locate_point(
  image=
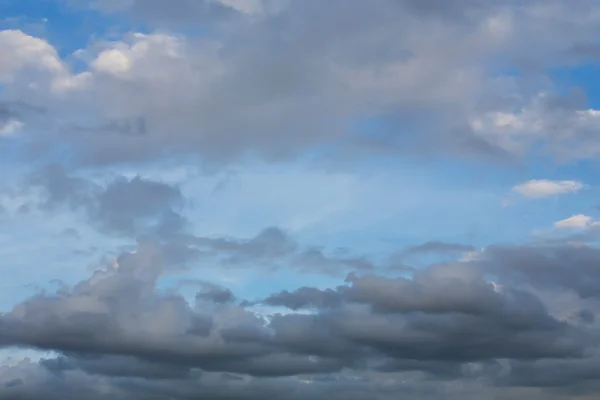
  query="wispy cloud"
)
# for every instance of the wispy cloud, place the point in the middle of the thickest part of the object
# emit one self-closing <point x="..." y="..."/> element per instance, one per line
<point x="538" y="188"/>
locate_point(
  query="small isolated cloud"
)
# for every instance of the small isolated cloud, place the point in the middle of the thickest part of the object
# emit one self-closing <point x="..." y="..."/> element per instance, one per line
<point x="575" y="221"/>
<point x="537" y="188"/>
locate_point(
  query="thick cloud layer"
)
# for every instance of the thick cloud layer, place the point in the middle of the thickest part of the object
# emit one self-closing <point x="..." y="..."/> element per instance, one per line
<point x="276" y="79"/>
<point x="119" y="334"/>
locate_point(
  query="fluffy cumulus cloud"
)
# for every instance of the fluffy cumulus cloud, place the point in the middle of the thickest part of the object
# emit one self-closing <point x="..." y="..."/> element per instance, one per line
<point x="298" y="199"/>
<point x="276" y="78"/>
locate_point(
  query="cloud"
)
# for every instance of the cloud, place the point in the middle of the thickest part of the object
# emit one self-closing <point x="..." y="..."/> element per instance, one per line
<point x="117" y="332"/>
<point x="124" y="206"/>
<point x="305" y="297"/>
<point x="183" y="12"/>
<point x="225" y="98"/>
<point x="27" y="53"/>
<point x="575" y="221"/>
<point x="215" y="294"/>
<point x="437" y="247"/>
<point x="561" y="125"/>
<point x="546" y="266"/>
<point x="538" y="188"/>
<point x="11" y="127"/>
<point x="11" y="115"/>
<point x="272" y="248"/>
<point x="60" y="188"/>
<point x="145" y="209"/>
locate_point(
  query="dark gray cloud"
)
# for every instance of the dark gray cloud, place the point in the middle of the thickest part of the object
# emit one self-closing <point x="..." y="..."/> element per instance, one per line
<point x="306" y="297"/>
<point x="16" y="110"/>
<point x="546" y="266"/>
<point x="214" y="293"/>
<point x="114" y="366"/>
<point x="124" y="206"/>
<point x="447" y="323"/>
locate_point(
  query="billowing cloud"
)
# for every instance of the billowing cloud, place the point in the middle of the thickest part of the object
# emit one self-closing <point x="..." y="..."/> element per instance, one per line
<point x="444" y="323"/>
<point x="269" y="67"/>
<point x="124" y="206"/>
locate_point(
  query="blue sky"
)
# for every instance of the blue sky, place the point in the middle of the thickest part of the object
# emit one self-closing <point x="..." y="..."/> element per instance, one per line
<point x="261" y="146"/>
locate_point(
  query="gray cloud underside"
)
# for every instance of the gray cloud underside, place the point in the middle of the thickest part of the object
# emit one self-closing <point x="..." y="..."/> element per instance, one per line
<point x="446" y="330"/>
<point x="124" y="206"/>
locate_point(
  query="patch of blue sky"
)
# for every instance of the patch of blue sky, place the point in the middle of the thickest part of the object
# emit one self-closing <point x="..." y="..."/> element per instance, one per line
<point x="585" y="201"/>
<point x="401" y="206"/>
<point x="252" y="283"/>
<point x="37" y="247"/>
<point x="584" y="76"/>
<point x="65" y="25"/>
<point x="13" y="356"/>
<point x="11" y="151"/>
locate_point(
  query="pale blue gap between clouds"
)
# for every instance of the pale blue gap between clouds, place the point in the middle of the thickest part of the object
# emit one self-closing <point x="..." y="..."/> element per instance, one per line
<point x="372" y="215"/>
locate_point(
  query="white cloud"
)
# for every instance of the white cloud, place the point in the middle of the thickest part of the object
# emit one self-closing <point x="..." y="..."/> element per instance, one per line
<point x="575" y="221"/>
<point x="113" y="61"/>
<point x="120" y="58"/>
<point x="472" y="255"/>
<point x="10" y="127"/>
<point x="23" y="52"/>
<point x="561" y="125"/>
<point x="537" y="188"/>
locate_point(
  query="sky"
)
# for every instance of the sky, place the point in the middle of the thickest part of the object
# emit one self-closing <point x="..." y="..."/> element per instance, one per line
<point x="299" y="199"/>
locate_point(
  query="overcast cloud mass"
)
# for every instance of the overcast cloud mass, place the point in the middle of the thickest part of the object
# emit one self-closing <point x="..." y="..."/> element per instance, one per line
<point x="299" y="199"/>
